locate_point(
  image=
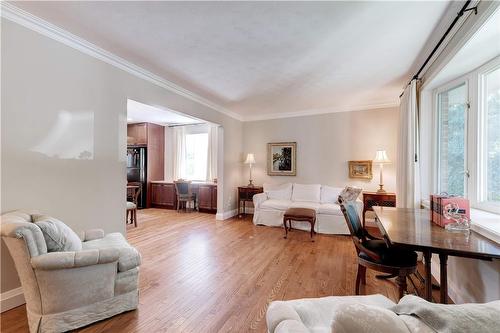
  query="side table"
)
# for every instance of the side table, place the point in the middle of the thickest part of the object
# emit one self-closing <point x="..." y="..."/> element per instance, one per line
<point x="371" y="199"/>
<point x="246" y="193"/>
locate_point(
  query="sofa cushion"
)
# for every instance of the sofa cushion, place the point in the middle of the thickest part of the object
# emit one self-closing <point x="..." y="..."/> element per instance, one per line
<point x="309" y="192"/>
<point x="330" y="194"/>
<point x="357" y="317"/>
<point x="279" y="192"/>
<point x="330" y="209"/>
<point x="305" y="204"/>
<point x="350" y="193"/>
<point x="129" y="256"/>
<point x="275" y="204"/>
<point x="58" y="236"/>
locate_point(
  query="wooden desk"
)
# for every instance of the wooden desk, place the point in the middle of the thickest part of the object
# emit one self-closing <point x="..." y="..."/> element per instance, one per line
<point x="413" y="229"/>
<point x="371" y="199"/>
<point x="246" y="193"/>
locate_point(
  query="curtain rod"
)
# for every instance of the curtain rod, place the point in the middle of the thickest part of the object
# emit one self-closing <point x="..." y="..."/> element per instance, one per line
<point x="459" y="14"/>
<point x="177" y="125"/>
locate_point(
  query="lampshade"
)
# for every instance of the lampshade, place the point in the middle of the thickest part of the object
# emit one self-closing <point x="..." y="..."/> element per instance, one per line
<point x="381" y="157"/>
<point x="250" y="159"/>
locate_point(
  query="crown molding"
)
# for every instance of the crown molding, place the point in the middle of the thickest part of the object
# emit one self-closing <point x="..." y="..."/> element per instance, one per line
<point x="30" y="21"/>
<point x="313" y="112"/>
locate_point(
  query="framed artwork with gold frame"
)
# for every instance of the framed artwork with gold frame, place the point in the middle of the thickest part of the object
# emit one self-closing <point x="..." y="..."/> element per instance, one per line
<point x="282" y="159"/>
<point x="360" y="169"/>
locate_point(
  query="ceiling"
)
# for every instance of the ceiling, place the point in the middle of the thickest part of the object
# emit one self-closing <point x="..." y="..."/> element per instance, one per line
<point x="263" y="59"/>
<point x="138" y="113"/>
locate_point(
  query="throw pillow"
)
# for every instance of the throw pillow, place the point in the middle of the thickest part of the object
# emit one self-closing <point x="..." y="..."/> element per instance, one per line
<point x="330" y="194"/>
<point x="58" y="236"/>
<point x="278" y="192"/>
<point x="359" y="318"/>
<point x="349" y="193"/>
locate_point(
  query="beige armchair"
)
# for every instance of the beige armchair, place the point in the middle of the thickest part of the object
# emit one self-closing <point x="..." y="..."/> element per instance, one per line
<point x="67" y="290"/>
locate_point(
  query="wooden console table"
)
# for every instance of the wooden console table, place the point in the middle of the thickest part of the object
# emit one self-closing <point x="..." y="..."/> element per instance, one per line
<point x="246" y="193"/>
<point x="371" y="199"/>
<point x="412" y="229"/>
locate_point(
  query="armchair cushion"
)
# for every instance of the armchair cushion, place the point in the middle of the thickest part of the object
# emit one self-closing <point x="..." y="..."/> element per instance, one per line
<point x="91" y="234"/>
<point x="58" y="236"/>
<point x="358" y="317"/>
<point x="129" y="257"/>
<point x="62" y="260"/>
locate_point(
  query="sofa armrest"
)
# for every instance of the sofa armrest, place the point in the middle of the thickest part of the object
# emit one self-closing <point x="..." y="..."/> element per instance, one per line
<point x="279" y="313"/>
<point x="91" y="234"/>
<point x="63" y="260"/>
<point x="258" y="199"/>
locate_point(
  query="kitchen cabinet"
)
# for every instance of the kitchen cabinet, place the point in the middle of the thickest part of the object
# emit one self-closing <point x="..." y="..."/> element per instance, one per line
<point x="163" y="195"/>
<point x="137" y="134"/>
<point x="207" y="197"/>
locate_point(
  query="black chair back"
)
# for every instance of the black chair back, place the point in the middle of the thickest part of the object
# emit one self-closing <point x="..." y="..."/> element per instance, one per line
<point x="352" y="219"/>
<point x="183" y="188"/>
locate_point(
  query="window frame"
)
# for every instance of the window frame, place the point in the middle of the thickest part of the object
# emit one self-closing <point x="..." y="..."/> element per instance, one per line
<point x="186" y="153"/>
<point x="481" y="195"/>
<point x="475" y="136"/>
<point x="463" y="80"/>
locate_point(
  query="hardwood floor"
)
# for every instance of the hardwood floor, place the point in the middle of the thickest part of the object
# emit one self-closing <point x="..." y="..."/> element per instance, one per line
<point x="202" y="275"/>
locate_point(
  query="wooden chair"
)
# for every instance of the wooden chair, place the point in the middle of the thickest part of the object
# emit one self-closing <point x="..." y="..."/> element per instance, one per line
<point x="134" y="190"/>
<point x="185" y="194"/>
<point x="373" y="253"/>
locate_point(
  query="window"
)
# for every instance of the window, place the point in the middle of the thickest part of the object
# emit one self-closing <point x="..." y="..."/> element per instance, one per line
<point x="452" y="124"/>
<point x="195" y="166"/>
<point x="490" y="94"/>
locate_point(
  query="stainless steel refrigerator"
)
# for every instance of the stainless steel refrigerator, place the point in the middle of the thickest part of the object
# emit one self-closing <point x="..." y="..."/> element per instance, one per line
<point x="136" y="170"/>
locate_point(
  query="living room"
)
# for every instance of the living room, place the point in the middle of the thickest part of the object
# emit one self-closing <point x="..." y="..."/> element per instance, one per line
<point x="325" y="110"/>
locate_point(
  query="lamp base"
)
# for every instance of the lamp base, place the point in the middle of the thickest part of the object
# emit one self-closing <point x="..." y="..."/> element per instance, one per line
<point x="381" y="189"/>
<point x="250" y="183"/>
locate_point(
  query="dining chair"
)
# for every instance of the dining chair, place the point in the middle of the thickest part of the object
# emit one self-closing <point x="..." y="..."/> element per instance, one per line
<point x="134" y="190"/>
<point x="374" y="253"/>
<point x="185" y="194"/>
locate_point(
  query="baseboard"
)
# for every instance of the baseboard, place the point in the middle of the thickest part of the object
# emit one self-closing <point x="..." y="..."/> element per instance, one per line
<point x="226" y="215"/>
<point x="11" y="299"/>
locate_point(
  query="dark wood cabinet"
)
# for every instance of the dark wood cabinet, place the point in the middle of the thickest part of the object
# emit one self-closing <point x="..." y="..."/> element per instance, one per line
<point x="163" y="195"/>
<point x="207" y="197"/>
<point x="245" y="194"/>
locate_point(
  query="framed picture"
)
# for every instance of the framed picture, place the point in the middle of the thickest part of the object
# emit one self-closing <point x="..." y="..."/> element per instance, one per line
<point x="360" y="169"/>
<point x="282" y="159"/>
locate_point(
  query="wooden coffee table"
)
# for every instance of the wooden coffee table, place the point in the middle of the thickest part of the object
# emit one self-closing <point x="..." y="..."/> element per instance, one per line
<point x="299" y="214"/>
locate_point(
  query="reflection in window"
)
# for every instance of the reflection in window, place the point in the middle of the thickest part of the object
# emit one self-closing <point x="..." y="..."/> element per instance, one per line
<point x="452" y="105"/>
<point x="492" y="126"/>
<point x="195" y="166"/>
<point x="71" y="137"/>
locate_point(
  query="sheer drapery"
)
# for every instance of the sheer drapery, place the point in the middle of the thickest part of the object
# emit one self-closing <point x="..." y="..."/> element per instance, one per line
<point x="179" y="151"/>
<point x="212" y="152"/>
<point x="408" y="169"/>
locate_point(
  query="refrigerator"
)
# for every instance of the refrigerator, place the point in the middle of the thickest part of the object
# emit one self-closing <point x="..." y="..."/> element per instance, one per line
<point x="136" y="171"/>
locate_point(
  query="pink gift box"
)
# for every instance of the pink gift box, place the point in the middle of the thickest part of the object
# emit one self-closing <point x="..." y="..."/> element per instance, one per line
<point x="439" y="201"/>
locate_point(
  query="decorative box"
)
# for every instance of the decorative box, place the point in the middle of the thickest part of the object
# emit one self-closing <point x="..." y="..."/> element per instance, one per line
<point x="439" y="201"/>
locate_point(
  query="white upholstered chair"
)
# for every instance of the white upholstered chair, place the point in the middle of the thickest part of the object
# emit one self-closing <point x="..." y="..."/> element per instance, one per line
<point x="71" y="289"/>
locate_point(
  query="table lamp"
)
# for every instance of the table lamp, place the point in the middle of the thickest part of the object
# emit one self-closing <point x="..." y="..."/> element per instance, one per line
<point x="381" y="159"/>
<point x="250" y="161"/>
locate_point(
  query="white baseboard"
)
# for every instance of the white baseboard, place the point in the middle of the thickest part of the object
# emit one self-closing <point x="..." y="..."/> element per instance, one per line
<point x="11" y="299"/>
<point x="226" y="215"/>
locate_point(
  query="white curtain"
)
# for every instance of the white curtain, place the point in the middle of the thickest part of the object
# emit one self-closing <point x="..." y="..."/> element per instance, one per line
<point x="408" y="169"/>
<point x="212" y="151"/>
<point x="179" y="151"/>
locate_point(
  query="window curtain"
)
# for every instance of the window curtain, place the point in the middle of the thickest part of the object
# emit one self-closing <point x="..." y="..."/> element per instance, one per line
<point x="179" y="151"/>
<point x="212" y="151"/>
<point x="408" y="169"/>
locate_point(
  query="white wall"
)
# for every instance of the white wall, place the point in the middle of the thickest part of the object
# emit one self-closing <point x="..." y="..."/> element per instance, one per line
<point x="325" y="144"/>
<point x="64" y="134"/>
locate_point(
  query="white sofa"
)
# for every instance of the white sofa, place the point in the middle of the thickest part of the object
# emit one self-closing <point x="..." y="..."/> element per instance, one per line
<point x="378" y="314"/>
<point x="270" y="206"/>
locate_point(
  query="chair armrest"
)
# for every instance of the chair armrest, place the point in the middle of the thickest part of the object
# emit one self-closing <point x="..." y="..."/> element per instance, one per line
<point x="91" y="234"/>
<point x="63" y="260"/>
<point x="258" y="199"/>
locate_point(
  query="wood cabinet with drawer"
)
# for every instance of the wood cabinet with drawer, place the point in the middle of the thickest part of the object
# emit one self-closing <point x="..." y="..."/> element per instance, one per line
<point x="207" y="197"/>
<point x="163" y="195"/>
